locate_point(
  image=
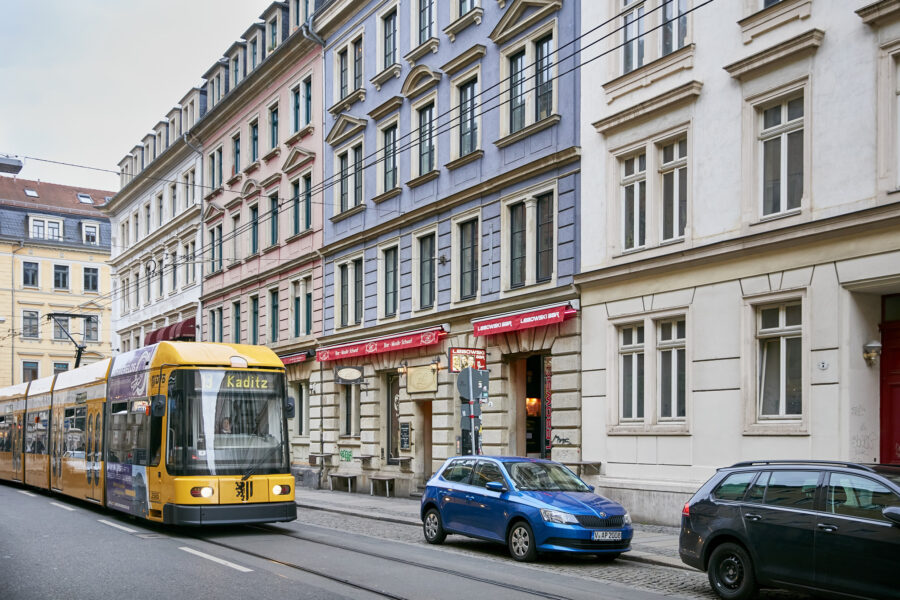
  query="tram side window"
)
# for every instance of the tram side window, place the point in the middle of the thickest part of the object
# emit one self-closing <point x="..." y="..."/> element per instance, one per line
<point x="5" y="437"/>
<point x="74" y="424"/>
<point x="129" y="427"/>
<point x="36" y="432"/>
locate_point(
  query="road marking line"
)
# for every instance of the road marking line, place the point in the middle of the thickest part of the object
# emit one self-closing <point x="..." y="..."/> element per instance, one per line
<point x="62" y="506"/>
<point x="221" y="561"/>
<point x="117" y="526"/>
<point x="27" y="493"/>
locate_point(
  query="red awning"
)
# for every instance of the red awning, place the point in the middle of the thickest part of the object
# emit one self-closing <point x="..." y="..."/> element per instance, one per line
<point x="298" y="357"/>
<point x="401" y="341"/>
<point x="533" y="317"/>
<point x="183" y="330"/>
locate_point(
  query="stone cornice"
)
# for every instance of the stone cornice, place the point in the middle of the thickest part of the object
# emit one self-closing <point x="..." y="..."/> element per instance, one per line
<point x="464" y="60"/>
<point x="159" y="236"/>
<point x="856" y="223"/>
<point x="150" y="177"/>
<point x="797" y="46"/>
<point x="879" y="13"/>
<point x="386" y="108"/>
<point x="262" y="275"/>
<point x="665" y="101"/>
<point x="482" y="189"/>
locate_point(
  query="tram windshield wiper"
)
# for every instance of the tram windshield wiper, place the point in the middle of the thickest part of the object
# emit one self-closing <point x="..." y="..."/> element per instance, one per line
<point x="259" y="461"/>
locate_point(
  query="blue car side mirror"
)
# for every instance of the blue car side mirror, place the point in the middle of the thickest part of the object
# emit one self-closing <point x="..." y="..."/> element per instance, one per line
<point x="590" y="487"/>
<point x="496" y="486"/>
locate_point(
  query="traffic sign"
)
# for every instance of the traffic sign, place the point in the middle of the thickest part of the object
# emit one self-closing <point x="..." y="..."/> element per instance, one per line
<point x="473" y="384"/>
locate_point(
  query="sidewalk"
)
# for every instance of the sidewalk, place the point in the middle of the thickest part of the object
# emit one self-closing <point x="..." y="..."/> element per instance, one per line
<point x="651" y="544"/>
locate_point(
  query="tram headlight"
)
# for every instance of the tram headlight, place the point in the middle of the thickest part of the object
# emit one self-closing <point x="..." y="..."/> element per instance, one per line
<point x="202" y="492"/>
<point x="281" y="490"/>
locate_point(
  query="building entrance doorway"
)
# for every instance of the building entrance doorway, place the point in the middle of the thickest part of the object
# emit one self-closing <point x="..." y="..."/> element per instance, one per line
<point x="890" y="379"/>
<point x="529" y="382"/>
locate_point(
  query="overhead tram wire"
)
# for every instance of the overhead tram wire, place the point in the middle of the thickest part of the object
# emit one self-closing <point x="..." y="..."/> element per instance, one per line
<point x="284" y="203"/>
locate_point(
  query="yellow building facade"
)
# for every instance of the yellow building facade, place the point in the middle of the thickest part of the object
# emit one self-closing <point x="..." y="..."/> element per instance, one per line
<point x="53" y="250"/>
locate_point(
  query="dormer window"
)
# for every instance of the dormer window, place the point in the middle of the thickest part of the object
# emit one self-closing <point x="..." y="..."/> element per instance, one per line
<point x="273" y="34"/>
<point x="31" y="193"/>
<point x="235" y="77"/>
<point x="90" y="234"/>
<point x="253" y="53"/>
<point x="84" y="198"/>
<point x="45" y="229"/>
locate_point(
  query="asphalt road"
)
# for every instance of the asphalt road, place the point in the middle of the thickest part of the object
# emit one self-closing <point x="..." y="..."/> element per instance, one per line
<point x="53" y="547"/>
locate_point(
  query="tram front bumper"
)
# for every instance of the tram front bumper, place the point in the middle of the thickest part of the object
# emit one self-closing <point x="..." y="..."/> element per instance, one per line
<point x="227" y="514"/>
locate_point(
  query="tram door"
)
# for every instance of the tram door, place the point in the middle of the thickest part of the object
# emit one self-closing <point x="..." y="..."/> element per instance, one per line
<point x="17" y="445"/>
<point x="57" y="431"/>
<point x="93" y="456"/>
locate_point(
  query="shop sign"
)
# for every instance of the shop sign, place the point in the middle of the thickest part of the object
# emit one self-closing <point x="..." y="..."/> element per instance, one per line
<point x="548" y="404"/>
<point x="348" y="375"/>
<point x="409" y="341"/>
<point x="404" y="436"/>
<point x="548" y="315"/>
<point x="460" y="358"/>
<point x="421" y="379"/>
<point x="291" y="359"/>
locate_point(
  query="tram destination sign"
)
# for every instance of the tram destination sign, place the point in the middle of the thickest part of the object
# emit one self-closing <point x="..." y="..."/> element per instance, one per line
<point x="460" y="358"/>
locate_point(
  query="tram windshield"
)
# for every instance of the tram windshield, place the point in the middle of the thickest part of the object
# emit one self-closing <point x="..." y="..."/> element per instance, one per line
<point x="226" y="423"/>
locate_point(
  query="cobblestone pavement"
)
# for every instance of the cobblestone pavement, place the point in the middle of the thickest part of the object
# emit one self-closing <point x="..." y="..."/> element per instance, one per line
<point x="679" y="583"/>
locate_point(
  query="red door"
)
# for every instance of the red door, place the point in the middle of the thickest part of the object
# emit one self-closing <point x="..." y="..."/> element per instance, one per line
<point x="890" y="392"/>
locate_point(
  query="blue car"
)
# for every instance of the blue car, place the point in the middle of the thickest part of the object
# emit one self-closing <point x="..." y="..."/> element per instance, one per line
<point x="531" y="505"/>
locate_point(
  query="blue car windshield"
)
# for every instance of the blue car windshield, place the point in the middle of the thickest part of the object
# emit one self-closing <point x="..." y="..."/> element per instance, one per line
<point x="544" y="477"/>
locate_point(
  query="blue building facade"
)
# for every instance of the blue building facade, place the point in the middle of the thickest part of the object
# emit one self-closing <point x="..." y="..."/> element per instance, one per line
<point x="451" y="220"/>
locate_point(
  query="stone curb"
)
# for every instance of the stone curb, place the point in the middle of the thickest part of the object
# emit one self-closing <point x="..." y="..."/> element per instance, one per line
<point x="634" y="555"/>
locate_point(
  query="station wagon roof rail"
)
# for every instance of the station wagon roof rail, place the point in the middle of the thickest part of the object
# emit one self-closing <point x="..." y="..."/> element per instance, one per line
<point x="837" y="463"/>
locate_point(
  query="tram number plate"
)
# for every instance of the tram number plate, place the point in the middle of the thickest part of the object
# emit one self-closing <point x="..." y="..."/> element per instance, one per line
<point x="607" y="535"/>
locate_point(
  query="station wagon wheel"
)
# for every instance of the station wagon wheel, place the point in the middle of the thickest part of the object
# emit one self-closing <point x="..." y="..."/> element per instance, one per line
<point x="431" y="526"/>
<point x="730" y="572"/>
<point x="521" y="542"/>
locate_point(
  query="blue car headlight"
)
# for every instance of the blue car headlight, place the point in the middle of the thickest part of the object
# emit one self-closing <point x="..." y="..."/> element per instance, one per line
<point x="627" y="519"/>
<point x="558" y="516"/>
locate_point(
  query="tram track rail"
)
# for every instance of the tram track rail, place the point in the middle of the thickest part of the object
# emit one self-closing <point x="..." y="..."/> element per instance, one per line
<point x="393" y="559"/>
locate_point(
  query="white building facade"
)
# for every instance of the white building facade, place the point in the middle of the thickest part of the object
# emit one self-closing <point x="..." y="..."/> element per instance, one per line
<point x="156" y="234"/>
<point x="741" y="167"/>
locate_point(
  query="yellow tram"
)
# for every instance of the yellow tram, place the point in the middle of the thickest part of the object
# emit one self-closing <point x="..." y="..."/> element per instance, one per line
<point x="177" y="432"/>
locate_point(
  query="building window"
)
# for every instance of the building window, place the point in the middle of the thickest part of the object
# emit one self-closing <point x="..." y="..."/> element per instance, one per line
<point x="235" y="72"/>
<point x="273" y="220"/>
<point x="307" y="305"/>
<point x="254" y="229"/>
<point x="253" y="53"/>
<point x="426" y="139"/>
<point x="218" y="335"/>
<point x="517" y="91"/>
<point x="273" y="34"/>
<point x="173" y="200"/>
<point x="634" y="201"/>
<point x="389" y="29"/>
<point x="254" y="320"/>
<point x="174" y="269"/>
<point x="60" y="277"/>
<point x="236" y="154"/>
<point x="781" y="145"/>
<point x="633" y="31"/>
<point x="358" y="291"/>
<point x="159" y="210"/>
<point x="60" y="367"/>
<point x="30" y="324"/>
<point x="236" y="322"/>
<point x="307" y="100"/>
<point x="468" y="259"/>
<point x="307" y="201"/>
<point x="350" y="411"/>
<point x="465" y="6"/>
<point x="671" y="368"/>
<point x="295" y="108"/>
<point x="160" y="281"/>
<point x="147" y="223"/>
<point x="343" y="73"/>
<point x="358" y="64"/>
<point x="60" y="328"/>
<point x="426" y="271"/>
<point x="30" y="274"/>
<point x="426" y="20"/>
<point x="273" y="316"/>
<point x="295" y="199"/>
<point x="301" y="405"/>
<point x="92" y="279"/>
<point x="343" y="167"/>
<point x="545" y="238"/>
<point x="389" y="139"/>
<point x="235" y="238"/>
<point x="356" y="155"/>
<point x="46" y="229"/>
<point x="468" y="126"/>
<point x="631" y="379"/>
<point x="91" y="234"/>
<point x="273" y="127"/>
<point x="254" y="141"/>
<point x="674" y="31"/>
<point x="544" y="77"/>
<point x="357" y="175"/>
<point x="92" y="328"/>
<point x="674" y="189"/>
<point x="29" y="370"/>
<point x="517" y="238"/>
<point x="779" y="331"/>
<point x="297" y="302"/>
<point x="344" y="276"/>
<point x="391" y="278"/>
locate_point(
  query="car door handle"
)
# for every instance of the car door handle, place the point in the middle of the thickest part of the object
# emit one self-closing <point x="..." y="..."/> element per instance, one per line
<point x="752" y="517"/>
<point x="827" y="528"/>
<point x="470" y="497"/>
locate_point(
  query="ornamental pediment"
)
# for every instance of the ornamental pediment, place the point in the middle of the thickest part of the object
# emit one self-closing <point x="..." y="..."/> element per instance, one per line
<point x="251" y="188"/>
<point x="521" y="15"/>
<point x="345" y="127"/>
<point x="420" y="79"/>
<point x="296" y="159"/>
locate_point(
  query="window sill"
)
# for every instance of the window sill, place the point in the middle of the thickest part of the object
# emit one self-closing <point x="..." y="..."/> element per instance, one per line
<point x="344" y="104"/>
<point x="778" y="216"/>
<point x="464" y="160"/>
<point x="271" y="248"/>
<point x="271" y="154"/>
<point x="774" y="16"/>
<point x="795" y="428"/>
<point x="664" y="66"/>
<point x="473" y="16"/>
<point x="527" y="131"/>
<point x="212" y="194"/>
<point x="235" y="179"/>
<point x="348" y="213"/>
<point x="299" y="135"/>
<point x="306" y="232"/>
<point x="423" y="179"/>
<point x="642" y="429"/>
<point x="251" y="167"/>
<point x="251" y="255"/>
<point x="386" y="75"/>
<point x="391" y="193"/>
<point x="234" y="263"/>
<point x="430" y="45"/>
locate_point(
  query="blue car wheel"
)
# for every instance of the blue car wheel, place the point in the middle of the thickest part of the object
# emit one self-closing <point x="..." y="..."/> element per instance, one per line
<point x="520" y="540"/>
<point x="432" y="527"/>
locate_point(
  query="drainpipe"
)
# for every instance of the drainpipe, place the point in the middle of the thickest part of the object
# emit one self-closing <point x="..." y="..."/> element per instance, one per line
<point x="307" y="31"/>
<point x="12" y="312"/>
<point x="198" y="320"/>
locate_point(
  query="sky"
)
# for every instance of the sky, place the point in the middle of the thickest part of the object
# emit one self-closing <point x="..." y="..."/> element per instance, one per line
<point x="84" y="81"/>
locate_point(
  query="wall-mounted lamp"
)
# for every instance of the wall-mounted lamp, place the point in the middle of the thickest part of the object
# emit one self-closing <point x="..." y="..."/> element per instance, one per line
<point x="436" y="364"/>
<point x="404" y="366"/>
<point x="871" y="352"/>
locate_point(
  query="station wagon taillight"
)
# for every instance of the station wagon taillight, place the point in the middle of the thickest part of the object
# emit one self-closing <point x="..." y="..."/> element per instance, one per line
<point x="686" y="511"/>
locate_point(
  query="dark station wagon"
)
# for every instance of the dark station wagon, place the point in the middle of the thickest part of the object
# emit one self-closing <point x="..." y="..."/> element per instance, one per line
<point x="829" y="528"/>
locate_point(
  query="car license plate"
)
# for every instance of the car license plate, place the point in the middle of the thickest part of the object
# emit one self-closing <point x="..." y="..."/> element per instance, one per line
<point x="607" y="535"/>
